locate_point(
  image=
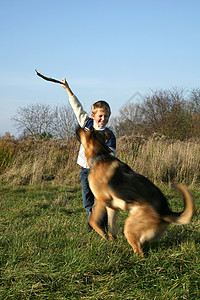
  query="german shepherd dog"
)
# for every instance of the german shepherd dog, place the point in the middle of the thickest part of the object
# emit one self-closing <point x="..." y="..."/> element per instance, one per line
<point x="116" y="186"/>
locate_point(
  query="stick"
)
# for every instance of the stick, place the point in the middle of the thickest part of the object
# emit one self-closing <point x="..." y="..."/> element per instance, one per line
<point x="47" y="78"/>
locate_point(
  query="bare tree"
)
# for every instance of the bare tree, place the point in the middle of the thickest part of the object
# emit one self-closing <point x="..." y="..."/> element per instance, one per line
<point x="64" y="122"/>
<point x="166" y="112"/>
<point x="34" y="120"/>
<point x="194" y="108"/>
<point x="40" y="121"/>
<point x="154" y="108"/>
<point x="128" y="120"/>
<point x="195" y="101"/>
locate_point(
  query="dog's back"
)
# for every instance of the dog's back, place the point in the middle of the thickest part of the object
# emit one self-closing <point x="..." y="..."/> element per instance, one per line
<point x="133" y="187"/>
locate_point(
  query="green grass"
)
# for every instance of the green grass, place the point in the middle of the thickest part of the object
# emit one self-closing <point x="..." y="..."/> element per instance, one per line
<point x="46" y="251"/>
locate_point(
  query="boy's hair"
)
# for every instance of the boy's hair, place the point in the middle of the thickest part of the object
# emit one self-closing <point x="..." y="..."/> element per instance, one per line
<point x="102" y="105"/>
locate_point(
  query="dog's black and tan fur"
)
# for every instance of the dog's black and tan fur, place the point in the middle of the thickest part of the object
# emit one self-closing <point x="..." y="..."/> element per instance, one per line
<point x="116" y="186"/>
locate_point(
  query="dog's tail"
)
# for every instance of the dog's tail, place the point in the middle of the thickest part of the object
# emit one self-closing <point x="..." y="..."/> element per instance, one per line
<point x="186" y="216"/>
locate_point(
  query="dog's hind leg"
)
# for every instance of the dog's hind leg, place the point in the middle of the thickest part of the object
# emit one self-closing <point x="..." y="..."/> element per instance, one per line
<point x="132" y="237"/>
<point x="143" y="224"/>
<point x="112" y="219"/>
<point x="96" y="216"/>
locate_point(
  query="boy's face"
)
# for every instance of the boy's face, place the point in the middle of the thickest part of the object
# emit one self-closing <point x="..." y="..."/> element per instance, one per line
<point x="101" y="118"/>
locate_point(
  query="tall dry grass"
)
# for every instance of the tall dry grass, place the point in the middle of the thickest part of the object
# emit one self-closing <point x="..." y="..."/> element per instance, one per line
<point x="162" y="161"/>
<point x="35" y="161"/>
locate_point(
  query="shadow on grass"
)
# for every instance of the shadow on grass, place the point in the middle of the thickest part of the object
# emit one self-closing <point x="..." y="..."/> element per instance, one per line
<point x="173" y="238"/>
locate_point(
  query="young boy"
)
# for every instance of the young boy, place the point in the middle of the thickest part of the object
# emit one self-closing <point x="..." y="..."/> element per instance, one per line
<point x="100" y="117"/>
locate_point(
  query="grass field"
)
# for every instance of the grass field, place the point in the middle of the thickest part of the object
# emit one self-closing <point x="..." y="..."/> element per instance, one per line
<point x="46" y="251"/>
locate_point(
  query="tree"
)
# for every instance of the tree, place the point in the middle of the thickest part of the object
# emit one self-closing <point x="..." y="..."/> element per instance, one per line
<point x="64" y="122"/>
<point x="194" y="108"/>
<point x="34" y="120"/>
<point x="195" y="101"/>
<point x="40" y="121"/>
<point x="166" y="112"/>
<point x="127" y="121"/>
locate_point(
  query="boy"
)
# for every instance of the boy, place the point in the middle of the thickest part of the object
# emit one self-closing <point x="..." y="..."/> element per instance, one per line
<point x="100" y="117"/>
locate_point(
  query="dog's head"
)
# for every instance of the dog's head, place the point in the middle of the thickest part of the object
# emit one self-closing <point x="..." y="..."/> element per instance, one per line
<point x="94" y="142"/>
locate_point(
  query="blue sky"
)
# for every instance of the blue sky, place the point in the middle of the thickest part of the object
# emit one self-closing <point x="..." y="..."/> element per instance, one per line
<point x="107" y="49"/>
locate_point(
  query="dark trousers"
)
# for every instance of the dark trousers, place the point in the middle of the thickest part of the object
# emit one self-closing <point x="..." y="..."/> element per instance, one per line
<point x="88" y="197"/>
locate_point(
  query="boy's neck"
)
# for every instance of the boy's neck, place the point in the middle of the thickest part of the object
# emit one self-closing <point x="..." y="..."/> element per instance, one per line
<point x="96" y="127"/>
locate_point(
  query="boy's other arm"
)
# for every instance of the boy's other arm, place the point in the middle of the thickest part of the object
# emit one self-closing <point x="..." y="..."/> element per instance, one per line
<point x="81" y="115"/>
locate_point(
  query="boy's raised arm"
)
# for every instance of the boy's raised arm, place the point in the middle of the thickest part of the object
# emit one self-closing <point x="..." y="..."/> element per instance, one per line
<point x="81" y="115"/>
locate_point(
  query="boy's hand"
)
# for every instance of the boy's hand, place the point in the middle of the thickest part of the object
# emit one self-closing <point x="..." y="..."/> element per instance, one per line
<point x="65" y="85"/>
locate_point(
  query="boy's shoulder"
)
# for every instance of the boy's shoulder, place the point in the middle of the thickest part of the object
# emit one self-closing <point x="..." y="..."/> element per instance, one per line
<point x="88" y="124"/>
